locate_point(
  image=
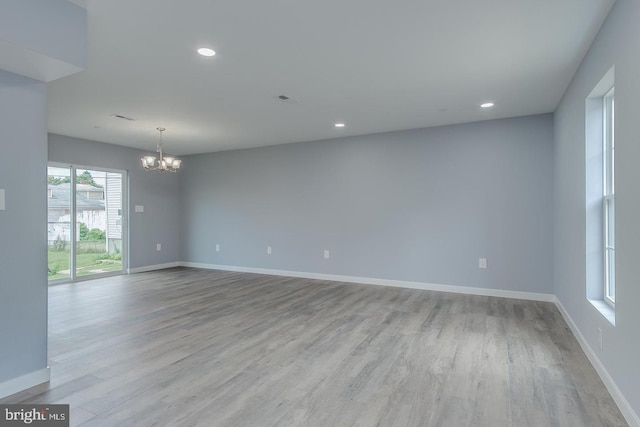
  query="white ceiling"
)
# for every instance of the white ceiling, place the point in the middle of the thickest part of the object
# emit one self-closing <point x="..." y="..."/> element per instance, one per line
<point x="377" y="65"/>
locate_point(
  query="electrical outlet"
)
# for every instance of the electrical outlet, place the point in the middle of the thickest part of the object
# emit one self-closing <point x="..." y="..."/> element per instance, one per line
<point x="158" y="246"/>
<point x="600" y="338"/>
<point x="268" y="250"/>
<point x="482" y="263"/>
<point x="326" y="254"/>
<point x="217" y="248"/>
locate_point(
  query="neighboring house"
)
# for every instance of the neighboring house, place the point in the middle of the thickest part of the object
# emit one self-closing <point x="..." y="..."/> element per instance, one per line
<point x="114" y="211"/>
<point x="90" y="210"/>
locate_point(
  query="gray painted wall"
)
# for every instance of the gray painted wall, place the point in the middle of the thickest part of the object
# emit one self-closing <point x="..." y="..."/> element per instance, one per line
<point x="42" y="39"/>
<point x="23" y="241"/>
<point x="420" y="205"/>
<point x="616" y="44"/>
<point x="156" y="191"/>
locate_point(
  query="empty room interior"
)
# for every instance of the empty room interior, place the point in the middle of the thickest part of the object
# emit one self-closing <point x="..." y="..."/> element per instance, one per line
<point x="360" y="213"/>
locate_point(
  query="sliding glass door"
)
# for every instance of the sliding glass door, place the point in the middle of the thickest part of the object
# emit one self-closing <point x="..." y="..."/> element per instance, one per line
<point x="86" y="222"/>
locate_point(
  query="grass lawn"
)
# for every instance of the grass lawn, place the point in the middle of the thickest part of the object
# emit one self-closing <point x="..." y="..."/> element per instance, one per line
<point x="86" y="263"/>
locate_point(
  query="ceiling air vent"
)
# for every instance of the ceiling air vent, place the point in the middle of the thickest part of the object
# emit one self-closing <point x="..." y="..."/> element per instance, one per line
<point x="286" y="99"/>
<point x="120" y="116"/>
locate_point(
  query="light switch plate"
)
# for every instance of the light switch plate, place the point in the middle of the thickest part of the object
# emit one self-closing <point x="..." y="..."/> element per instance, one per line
<point x="139" y="208"/>
<point x="1" y="200"/>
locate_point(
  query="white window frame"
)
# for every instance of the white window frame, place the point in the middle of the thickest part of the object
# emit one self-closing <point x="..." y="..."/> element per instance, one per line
<point x="608" y="196"/>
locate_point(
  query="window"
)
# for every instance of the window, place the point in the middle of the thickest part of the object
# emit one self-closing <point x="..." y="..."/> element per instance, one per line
<point x="600" y="230"/>
<point x="608" y="196"/>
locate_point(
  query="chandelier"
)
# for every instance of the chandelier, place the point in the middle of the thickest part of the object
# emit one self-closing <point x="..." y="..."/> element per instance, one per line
<point x="165" y="163"/>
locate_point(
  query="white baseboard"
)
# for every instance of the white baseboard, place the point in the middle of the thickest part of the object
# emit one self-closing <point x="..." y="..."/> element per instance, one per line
<point x="24" y="382"/>
<point x="624" y="406"/>
<point x="153" y="267"/>
<point x="381" y="282"/>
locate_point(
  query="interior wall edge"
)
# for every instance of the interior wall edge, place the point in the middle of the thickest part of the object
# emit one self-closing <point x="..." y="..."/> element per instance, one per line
<point x="32" y="379"/>
<point x="146" y="268"/>
<point x="623" y="404"/>
<point x="501" y="293"/>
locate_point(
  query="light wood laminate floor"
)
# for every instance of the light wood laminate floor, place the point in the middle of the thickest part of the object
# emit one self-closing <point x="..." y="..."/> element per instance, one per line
<point x="187" y="347"/>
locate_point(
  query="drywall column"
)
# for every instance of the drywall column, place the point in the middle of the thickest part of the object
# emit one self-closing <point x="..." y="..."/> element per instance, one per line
<point x="40" y="40"/>
<point x="23" y="262"/>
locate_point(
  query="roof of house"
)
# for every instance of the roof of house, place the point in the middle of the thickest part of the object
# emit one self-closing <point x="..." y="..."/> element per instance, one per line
<point x="60" y="197"/>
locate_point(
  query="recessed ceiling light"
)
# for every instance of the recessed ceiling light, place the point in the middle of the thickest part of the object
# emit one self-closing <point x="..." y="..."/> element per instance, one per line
<point x="205" y="51"/>
<point x="339" y="125"/>
<point x="487" y="105"/>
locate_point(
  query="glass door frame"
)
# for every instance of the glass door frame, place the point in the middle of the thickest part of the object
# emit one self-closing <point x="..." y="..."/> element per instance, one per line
<point x="73" y="277"/>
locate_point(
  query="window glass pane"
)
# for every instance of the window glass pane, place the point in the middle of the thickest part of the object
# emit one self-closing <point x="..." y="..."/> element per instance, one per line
<point x="611" y="225"/>
<point x="98" y="222"/>
<point x="612" y="144"/>
<point x="59" y="223"/>
<point x="610" y="273"/>
<point x="608" y="142"/>
<point x="611" y="289"/>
